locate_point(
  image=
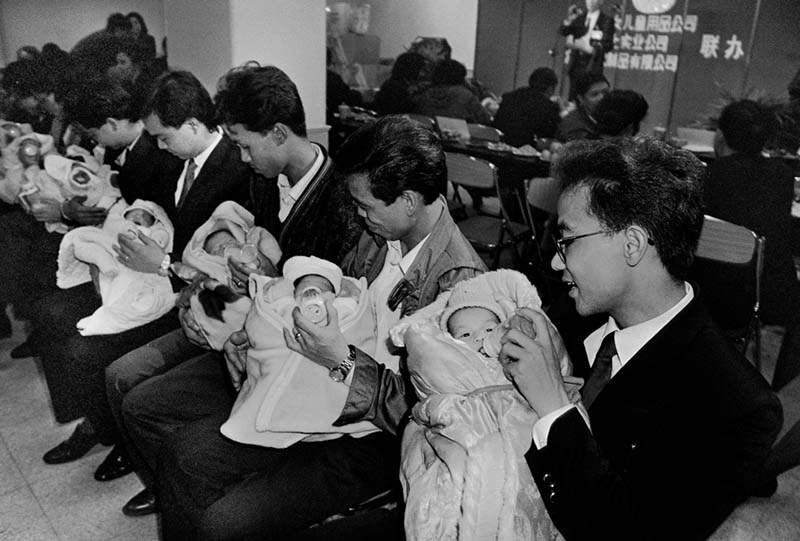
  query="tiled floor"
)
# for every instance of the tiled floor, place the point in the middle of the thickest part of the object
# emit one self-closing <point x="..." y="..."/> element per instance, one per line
<point x="41" y="502"/>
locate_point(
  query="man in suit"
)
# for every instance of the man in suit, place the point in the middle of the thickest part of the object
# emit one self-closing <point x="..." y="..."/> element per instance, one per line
<point x="591" y="88"/>
<point x="590" y="35"/>
<point x="526" y="114"/>
<point x="179" y="114"/>
<point x="679" y="423"/>
<point x="298" y="197"/>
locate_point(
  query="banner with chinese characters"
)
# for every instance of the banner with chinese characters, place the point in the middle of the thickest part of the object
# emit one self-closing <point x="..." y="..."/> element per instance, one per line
<point x="678" y="56"/>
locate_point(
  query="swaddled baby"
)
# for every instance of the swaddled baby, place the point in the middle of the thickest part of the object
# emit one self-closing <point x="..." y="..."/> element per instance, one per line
<point x="462" y="463"/>
<point x="129" y="298"/>
<point x="230" y="233"/>
<point x="20" y="160"/>
<point x="286" y="397"/>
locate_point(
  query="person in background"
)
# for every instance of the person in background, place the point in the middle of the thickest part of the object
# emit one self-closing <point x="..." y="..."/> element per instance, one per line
<point x="681" y="422"/>
<point x="590" y="35"/>
<point x="580" y="123"/>
<point x="756" y="192"/>
<point x="27" y="52"/>
<point x="96" y="51"/>
<point x="145" y="41"/>
<point x="527" y="113"/>
<point x="788" y="136"/>
<point x="620" y="113"/>
<point x="449" y="96"/>
<point x="396" y="94"/>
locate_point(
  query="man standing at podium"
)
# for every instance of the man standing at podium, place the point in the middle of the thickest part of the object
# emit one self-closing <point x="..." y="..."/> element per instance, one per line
<point x="590" y="35"/>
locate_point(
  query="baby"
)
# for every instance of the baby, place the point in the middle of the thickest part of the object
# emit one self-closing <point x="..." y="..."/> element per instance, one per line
<point x="286" y="398"/>
<point x="129" y="298"/>
<point x="462" y="462"/>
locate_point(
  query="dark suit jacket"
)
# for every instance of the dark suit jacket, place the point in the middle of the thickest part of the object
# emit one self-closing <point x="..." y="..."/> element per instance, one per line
<point x="146" y="170"/>
<point x="224" y="177"/>
<point x="580" y="62"/>
<point x="576" y="125"/>
<point x="322" y="222"/>
<point x="525" y="114"/>
<point x="678" y="439"/>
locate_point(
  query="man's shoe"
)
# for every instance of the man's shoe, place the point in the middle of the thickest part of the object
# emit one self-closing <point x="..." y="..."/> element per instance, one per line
<point x="78" y="444"/>
<point x="25" y="349"/>
<point x="116" y="465"/>
<point x="142" y="504"/>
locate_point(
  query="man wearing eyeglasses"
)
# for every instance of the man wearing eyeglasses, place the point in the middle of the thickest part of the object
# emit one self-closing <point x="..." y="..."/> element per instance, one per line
<point x="214" y="488"/>
<point x="679" y="423"/>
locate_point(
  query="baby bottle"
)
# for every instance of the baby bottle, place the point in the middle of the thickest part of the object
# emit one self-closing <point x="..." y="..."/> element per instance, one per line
<point x="312" y="305"/>
<point x="491" y="342"/>
<point x="247" y="255"/>
<point x="30" y="151"/>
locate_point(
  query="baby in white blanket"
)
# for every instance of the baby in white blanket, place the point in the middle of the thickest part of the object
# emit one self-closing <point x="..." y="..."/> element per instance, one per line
<point x="285" y="397"/>
<point x="129" y="298"/>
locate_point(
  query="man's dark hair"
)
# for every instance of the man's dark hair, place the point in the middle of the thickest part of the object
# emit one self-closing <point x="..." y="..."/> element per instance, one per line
<point x="618" y="110"/>
<point x="542" y="79"/>
<point x="747" y="126"/>
<point x="646" y="183"/>
<point x="178" y="96"/>
<point x="117" y="22"/>
<point x="448" y="73"/>
<point x="95" y="100"/>
<point x="408" y="66"/>
<point x="396" y="154"/>
<point x="258" y="97"/>
<point x="586" y="80"/>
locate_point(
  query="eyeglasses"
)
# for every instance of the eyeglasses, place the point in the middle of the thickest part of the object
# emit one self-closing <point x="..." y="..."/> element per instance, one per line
<point x="563" y="243"/>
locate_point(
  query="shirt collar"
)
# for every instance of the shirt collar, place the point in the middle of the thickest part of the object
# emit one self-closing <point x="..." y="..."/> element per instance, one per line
<point x="201" y="158"/>
<point x="631" y="339"/>
<point x="297" y="190"/>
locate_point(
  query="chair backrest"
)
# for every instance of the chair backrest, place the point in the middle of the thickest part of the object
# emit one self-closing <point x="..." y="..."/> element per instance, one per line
<point x="484" y="133"/>
<point x="470" y="172"/>
<point x="729" y="267"/>
<point x="543" y="194"/>
<point x="697" y="140"/>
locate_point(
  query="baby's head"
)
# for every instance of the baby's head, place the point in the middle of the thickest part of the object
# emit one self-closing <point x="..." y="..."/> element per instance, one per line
<point x="471" y="325"/>
<point x="471" y="314"/>
<point x="140" y="217"/>
<point x="218" y="241"/>
<point x="313" y="281"/>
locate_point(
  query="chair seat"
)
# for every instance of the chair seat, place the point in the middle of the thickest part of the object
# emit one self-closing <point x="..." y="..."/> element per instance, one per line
<point x="481" y="231"/>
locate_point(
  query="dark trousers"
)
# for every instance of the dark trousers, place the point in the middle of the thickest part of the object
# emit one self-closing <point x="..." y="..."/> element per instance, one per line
<point x="74" y="365"/>
<point x="211" y="487"/>
<point x="28" y="263"/>
<point x="136" y="367"/>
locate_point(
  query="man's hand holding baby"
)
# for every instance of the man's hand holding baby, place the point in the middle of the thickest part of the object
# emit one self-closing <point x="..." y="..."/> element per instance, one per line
<point x="139" y="252"/>
<point x="322" y="343"/>
<point x="240" y="272"/>
<point x="235" y="351"/>
<point x="533" y="364"/>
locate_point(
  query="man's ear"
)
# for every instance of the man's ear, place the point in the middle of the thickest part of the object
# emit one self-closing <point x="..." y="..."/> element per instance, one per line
<point x="113" y="122"/>
<point x="411" y="200"/>
<point x="280" y="132"/>
<point x="193" y="124"/>
<point x="636" y="244"/>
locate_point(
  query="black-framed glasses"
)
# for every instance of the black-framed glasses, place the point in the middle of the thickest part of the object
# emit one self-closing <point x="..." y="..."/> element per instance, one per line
<point x="563" y="242"/>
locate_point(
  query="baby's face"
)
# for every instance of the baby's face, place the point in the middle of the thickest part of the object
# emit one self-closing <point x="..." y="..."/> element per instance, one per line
<point x="217" y="242"/>
<point x="313" y="280"/>
<point x="471" y="325"/>
<point x="140" y="217"/>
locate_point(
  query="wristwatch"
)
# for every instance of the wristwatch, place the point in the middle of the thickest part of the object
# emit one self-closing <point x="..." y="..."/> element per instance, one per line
<point x="339" y="372"/>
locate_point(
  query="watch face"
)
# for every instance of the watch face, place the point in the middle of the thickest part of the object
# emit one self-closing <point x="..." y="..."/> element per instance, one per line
<point x="337" y="374"/>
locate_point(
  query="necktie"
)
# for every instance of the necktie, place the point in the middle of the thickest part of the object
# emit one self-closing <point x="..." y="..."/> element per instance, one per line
<point x="188" y="180"/>
<point x="601" y="370"/>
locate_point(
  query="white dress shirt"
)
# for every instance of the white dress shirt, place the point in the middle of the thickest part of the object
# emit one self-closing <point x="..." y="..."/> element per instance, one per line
<point x="628" y="342"/>
<point x="199" y="161"/>
<point x="290" y="194"/>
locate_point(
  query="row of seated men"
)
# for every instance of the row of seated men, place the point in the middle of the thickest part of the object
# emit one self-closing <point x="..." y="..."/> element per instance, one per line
<point x="454" y="383"/>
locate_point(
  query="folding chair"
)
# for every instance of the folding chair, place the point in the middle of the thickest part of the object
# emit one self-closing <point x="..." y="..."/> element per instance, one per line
<point x="542" y="196"/>
<point x="728" y="266"/>
<point x="484" y="133"/>
<point x="485" y="232"/>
